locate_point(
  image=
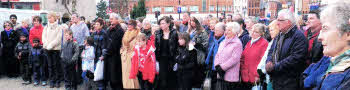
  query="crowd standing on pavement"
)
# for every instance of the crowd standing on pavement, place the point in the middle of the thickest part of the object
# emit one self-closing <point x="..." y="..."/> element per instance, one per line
<point x="192" y="53"/>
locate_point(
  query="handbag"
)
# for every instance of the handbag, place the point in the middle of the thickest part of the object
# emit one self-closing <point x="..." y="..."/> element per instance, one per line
<point x="207" y="82"/>
<point x="98" y="74"/>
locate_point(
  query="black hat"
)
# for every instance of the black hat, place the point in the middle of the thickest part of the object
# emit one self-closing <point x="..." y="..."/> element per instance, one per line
<point x="36" y="40"/>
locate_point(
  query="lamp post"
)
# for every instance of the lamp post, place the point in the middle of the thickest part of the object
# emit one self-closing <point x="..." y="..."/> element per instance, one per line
<point x="179" y="8"/>
<point x="217" y="9"/>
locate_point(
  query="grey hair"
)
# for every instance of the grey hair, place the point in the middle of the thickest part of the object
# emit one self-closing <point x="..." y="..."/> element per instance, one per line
<point x="221" y="25"/>
<point x="236" y="28"/>
<point x="252" y="19"/>
<point x="287" y="15"/>
<point x="115" y="15"/>
<point x="339" y="12"/>
<point x="260" y="27"/>
<point x="146" y="21"/>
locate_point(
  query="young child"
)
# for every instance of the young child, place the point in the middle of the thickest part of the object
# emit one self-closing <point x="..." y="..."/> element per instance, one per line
<point x="36" y="59"/>
<point x="143" y="64"/>
<point x="185" y="62"/>
<point x="22" y="53"/>
<point x="88" y="65"/>
<point x="69" y="55"/>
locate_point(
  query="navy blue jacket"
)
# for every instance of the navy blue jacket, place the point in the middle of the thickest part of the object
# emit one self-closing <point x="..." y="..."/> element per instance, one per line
<point x="314" y="73"/>
<point x="244" y="37"/>
<point x="291" y="63"/>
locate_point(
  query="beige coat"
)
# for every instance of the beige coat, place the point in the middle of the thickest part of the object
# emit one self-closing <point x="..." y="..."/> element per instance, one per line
<point x="52" y="36"/>
<point x="129" y="41"/>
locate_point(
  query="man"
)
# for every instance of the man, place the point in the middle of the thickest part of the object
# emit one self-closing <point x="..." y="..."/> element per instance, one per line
<point x="80" y="29"/>
<point x="111" y="53"/>
<point x="185" y="21"/>
<point x="243" y="34"/>
<point x="315" y="47"/>
<point x="13" y="19"/>
<point x="213" y="48"/>
<point x="286" y="58"/>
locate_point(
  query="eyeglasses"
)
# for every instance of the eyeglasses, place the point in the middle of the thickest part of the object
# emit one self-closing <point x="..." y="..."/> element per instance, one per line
<point x="281" y="20"/>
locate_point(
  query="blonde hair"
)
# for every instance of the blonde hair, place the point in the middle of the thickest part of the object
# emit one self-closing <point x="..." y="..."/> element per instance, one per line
<point x="52" y="14"/>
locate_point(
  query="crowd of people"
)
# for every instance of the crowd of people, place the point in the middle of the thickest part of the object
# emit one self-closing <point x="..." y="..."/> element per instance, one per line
<point x="233" y="53"/>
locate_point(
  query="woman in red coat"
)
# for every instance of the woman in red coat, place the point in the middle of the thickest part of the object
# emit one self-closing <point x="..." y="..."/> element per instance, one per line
<point x="251" y="56"/>
<point x="37" y="30"/>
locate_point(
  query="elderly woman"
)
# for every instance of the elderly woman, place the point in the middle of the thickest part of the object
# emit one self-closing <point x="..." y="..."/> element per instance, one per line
<point x="333" y="73"/>
<point x="52" y="39"/>
<point x="9" y="41"/>
<point x="24" y="28"/>
<point x="228" y="57"/>
<point x="128" y="43"/>
<point x="252" y="55"/>
<point x="274" y="31"/>
<point x="146" y="28"/>
<point x="249" y="22"/>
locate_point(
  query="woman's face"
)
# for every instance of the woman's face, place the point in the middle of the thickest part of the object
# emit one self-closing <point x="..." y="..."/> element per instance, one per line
<point x="8" y="26"/>
<point x="229" y="33"/>
<point x="255" y="33"/>
<point x="273" y="31"/>
<point x="182" y="42"/>
<point x="36" y="23"/>
<point x="212" y="25"/>
<point x="24" y="24"/>
<point x="52" y="19"/>
<point x="131" y="27"/>
<point x="164" y="25"/>
<point x="97" y="26"/>
<point x="193" y="24"/>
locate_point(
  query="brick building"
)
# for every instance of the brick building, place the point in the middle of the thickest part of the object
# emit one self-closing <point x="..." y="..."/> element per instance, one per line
<point x="194" y="6"/>
<point x="21" y="4"/>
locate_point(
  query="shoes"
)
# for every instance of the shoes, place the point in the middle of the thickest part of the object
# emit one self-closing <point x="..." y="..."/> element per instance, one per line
<point x="26" y="82"/>
<point x="44" y="83"/>
<point x="36" y="83"/>
<point x="57" y="85"/>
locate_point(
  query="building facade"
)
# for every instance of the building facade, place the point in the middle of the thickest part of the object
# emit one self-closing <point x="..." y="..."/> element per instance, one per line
<point x="21" y="4"/>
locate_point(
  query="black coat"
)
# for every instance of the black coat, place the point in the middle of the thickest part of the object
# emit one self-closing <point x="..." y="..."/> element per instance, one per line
<point x="9" y="42"/>
<point x="99" y="38"/>
<point x="292" y="60"/>
<point x="186" y="59"/>
<point x="173" y="43"/>
<point x="316" y="52"/>
<point x="111" y="54"/>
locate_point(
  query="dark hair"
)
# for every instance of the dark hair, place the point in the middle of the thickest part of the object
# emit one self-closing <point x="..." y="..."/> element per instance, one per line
<point x="37" y="18"/>
<point x="240" y="21"/>
<point x="132" y="22"/>
<point x="36" y="40"/>
<point x="316" y="12"/>
<point x="13" y="15"/>
<point x="185" y="36"/>
<point x="90" y="40"/>
<point x="82" y="18"/>
<point x="167" y="20"/>
<point x="100" y="21"/>
<point x="189" y="13"/>
<point x="8" y="23"/>
<point x="199" y="27"/>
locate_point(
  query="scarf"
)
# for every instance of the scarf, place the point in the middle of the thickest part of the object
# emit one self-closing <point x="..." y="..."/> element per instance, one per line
<point x="213" y="50"/>
<point x="8" y="32"/>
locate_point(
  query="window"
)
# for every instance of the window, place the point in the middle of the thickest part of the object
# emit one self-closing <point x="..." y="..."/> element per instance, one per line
<point x="204" y="5"/>
<point x="147" y="10"/>
<point x="156" y="9"/>
<point x="183" y="9"/>
<point x="194" y="8"/>
<point x="212" y="8"/>
<point x="169" y="9"/>
<point x="23" y="6"/>
<point x="223" y="8"/>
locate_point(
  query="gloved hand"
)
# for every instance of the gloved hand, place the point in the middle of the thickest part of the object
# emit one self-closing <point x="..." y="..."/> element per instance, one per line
<point x="89" y="75"/>
<point x="220" y="71"/>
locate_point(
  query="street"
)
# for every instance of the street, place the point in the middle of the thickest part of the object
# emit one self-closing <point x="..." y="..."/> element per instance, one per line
<point x="16" y="84"/>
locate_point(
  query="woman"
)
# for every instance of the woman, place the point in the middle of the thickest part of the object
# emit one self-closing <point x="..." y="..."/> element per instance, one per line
<point x="274" y="31"/>
<point x="249" y="22"/>
<point x="166" y="46"/>
<point x="228" y="57"/>
<point x="98" y="36"/>
<point x="252" y="55"/>
<point x="37" y="30"/>
<point x="52" y="40"/>
<point x="200" y="40"/>
<point x="128" y="43"/>
<point x="9" y="40"/>
<point x="185" y="62"/>
<point x="333" y="73"/>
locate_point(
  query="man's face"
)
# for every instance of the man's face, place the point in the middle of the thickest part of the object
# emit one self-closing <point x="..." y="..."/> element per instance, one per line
<point x="333" y="42"/>
<point x="13" y="20"/>
<point x="313" y="21"/>
<point x="186" y="17"/>
<point x="75" y="19"/>
<point x="113" y="20"/>
<point x="283" y="23"/>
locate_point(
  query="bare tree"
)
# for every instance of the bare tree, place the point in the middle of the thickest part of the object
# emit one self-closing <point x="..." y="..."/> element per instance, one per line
<point x="66" y="3"/>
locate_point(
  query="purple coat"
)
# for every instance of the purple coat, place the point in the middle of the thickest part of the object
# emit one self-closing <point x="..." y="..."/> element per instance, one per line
<point x="228" y="57"/>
